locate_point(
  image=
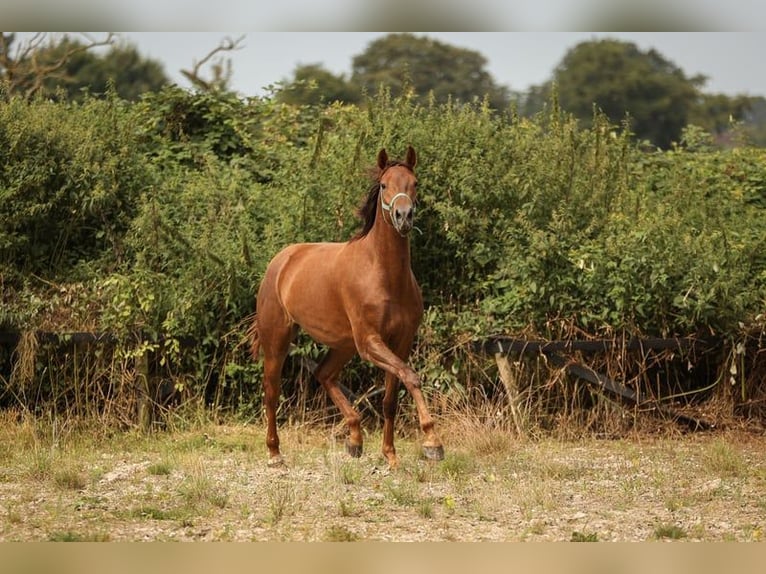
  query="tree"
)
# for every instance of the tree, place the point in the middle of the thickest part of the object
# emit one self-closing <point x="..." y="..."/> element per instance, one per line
<point x="754" y="120"/>
<point x="71" y="65"/>
<point x="220" y="68"/>
<point x="621" y="79"/>
<point x="428" y="66"/>
<point x="313" y="84"/>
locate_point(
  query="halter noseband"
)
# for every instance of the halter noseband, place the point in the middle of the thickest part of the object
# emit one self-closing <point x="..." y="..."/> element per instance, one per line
<point x="389" y="206"/>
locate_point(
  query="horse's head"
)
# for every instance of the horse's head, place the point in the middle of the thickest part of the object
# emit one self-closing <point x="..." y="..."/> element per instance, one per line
<point x="398" y="190"/>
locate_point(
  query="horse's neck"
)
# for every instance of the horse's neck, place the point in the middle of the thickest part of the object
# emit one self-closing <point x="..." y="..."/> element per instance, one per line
<point x="389" y="248"/>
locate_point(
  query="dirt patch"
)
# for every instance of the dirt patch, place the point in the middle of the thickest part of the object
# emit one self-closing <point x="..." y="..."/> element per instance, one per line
<point x="215" y="485"/>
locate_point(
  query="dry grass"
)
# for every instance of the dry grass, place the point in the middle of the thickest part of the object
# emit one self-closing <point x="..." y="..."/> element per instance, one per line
<point x="212" y="483"/>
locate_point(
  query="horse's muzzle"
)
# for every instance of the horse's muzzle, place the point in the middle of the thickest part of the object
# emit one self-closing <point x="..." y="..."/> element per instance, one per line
<point x="403" y="218"/>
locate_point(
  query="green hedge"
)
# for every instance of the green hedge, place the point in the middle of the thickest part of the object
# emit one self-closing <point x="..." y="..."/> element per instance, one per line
<point x="164" y="213"/>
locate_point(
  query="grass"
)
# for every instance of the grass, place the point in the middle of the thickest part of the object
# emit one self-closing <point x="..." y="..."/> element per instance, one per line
<point x="207" y="483"/>
<point x="724" y="459"/>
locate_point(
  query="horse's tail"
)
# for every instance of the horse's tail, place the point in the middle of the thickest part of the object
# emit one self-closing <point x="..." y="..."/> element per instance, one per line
<point x="255" y="343"/>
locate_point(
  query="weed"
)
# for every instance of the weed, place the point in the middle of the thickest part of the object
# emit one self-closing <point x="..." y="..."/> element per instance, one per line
<point x="449" y="504"/>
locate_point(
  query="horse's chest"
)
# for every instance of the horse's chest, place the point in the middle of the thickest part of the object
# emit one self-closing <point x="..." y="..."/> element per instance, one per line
<point x="396" y="316"/>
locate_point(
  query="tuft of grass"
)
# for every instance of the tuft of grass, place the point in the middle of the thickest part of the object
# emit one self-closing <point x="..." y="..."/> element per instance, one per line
<point x="153" y="513"/>
<point x="457" y="465"/>
<point x="670" y="531"/>
<point x="349" y="472"/>
<point x="583" y="537"/>
<point x="561" y="471"/>
<point x="339" y="534"/>
<point x="160" y="469"/>
<point x="401" y="493"/>
<point x="198" y="489"/>
<point x="724" y="460"/>
<point x="282" y="501"/>
<point x="69" y="479"/>
<point x="13" y="516"/>
<point x="425" y="508"/>
<point x="72" y="536"/>
<point x="346" y="508"/>
<point x="40" y="463"/>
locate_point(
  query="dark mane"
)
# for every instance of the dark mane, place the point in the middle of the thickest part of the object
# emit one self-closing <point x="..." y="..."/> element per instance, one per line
<point x="369" y="207"/>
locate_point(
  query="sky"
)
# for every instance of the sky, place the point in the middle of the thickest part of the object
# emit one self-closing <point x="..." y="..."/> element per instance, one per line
<point x="732" y="61"/>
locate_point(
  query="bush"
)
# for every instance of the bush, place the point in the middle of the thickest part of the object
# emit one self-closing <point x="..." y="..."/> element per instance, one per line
<point x="166" y="212"/>
<point x="69" y="184"/>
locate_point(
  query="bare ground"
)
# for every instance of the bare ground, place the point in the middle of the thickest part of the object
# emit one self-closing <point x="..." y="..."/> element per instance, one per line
<point x="213" y="484"/>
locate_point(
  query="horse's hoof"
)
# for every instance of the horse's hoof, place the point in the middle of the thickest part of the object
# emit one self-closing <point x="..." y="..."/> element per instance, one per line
<point x="277" y="462"/>
<point x="354" y="450"/>
<point x="434" y="452"/>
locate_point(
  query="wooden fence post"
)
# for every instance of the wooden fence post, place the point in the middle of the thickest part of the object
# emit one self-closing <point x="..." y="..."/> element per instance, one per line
<point x="144" y="396"/>
<point x="510" y="382"/>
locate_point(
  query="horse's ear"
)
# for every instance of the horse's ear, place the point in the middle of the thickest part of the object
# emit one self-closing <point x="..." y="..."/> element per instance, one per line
<point x="382" y="159"/>
<point x="412" y="157"/>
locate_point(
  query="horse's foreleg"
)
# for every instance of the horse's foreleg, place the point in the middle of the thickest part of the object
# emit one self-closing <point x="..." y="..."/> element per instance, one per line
<point x="373" y="349"/>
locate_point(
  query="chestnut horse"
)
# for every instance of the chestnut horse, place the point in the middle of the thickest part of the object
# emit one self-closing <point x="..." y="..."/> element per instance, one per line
<point x="355" y="297"/>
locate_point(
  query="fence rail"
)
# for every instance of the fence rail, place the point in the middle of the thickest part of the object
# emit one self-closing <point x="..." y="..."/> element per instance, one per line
<point x="501" y="347"/>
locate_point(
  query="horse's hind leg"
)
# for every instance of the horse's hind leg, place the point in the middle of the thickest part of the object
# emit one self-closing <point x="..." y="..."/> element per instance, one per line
<point x="327" y="374"/>
<point x="272" y="383"/>
<point x="274" y="339"/>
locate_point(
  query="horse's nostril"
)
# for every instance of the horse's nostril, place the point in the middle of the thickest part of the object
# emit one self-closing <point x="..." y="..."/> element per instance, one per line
<point x="405" y="214"/>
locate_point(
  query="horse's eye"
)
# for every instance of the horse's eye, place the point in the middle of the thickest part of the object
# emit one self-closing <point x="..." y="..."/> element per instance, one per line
<point x="382" y="186"/>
